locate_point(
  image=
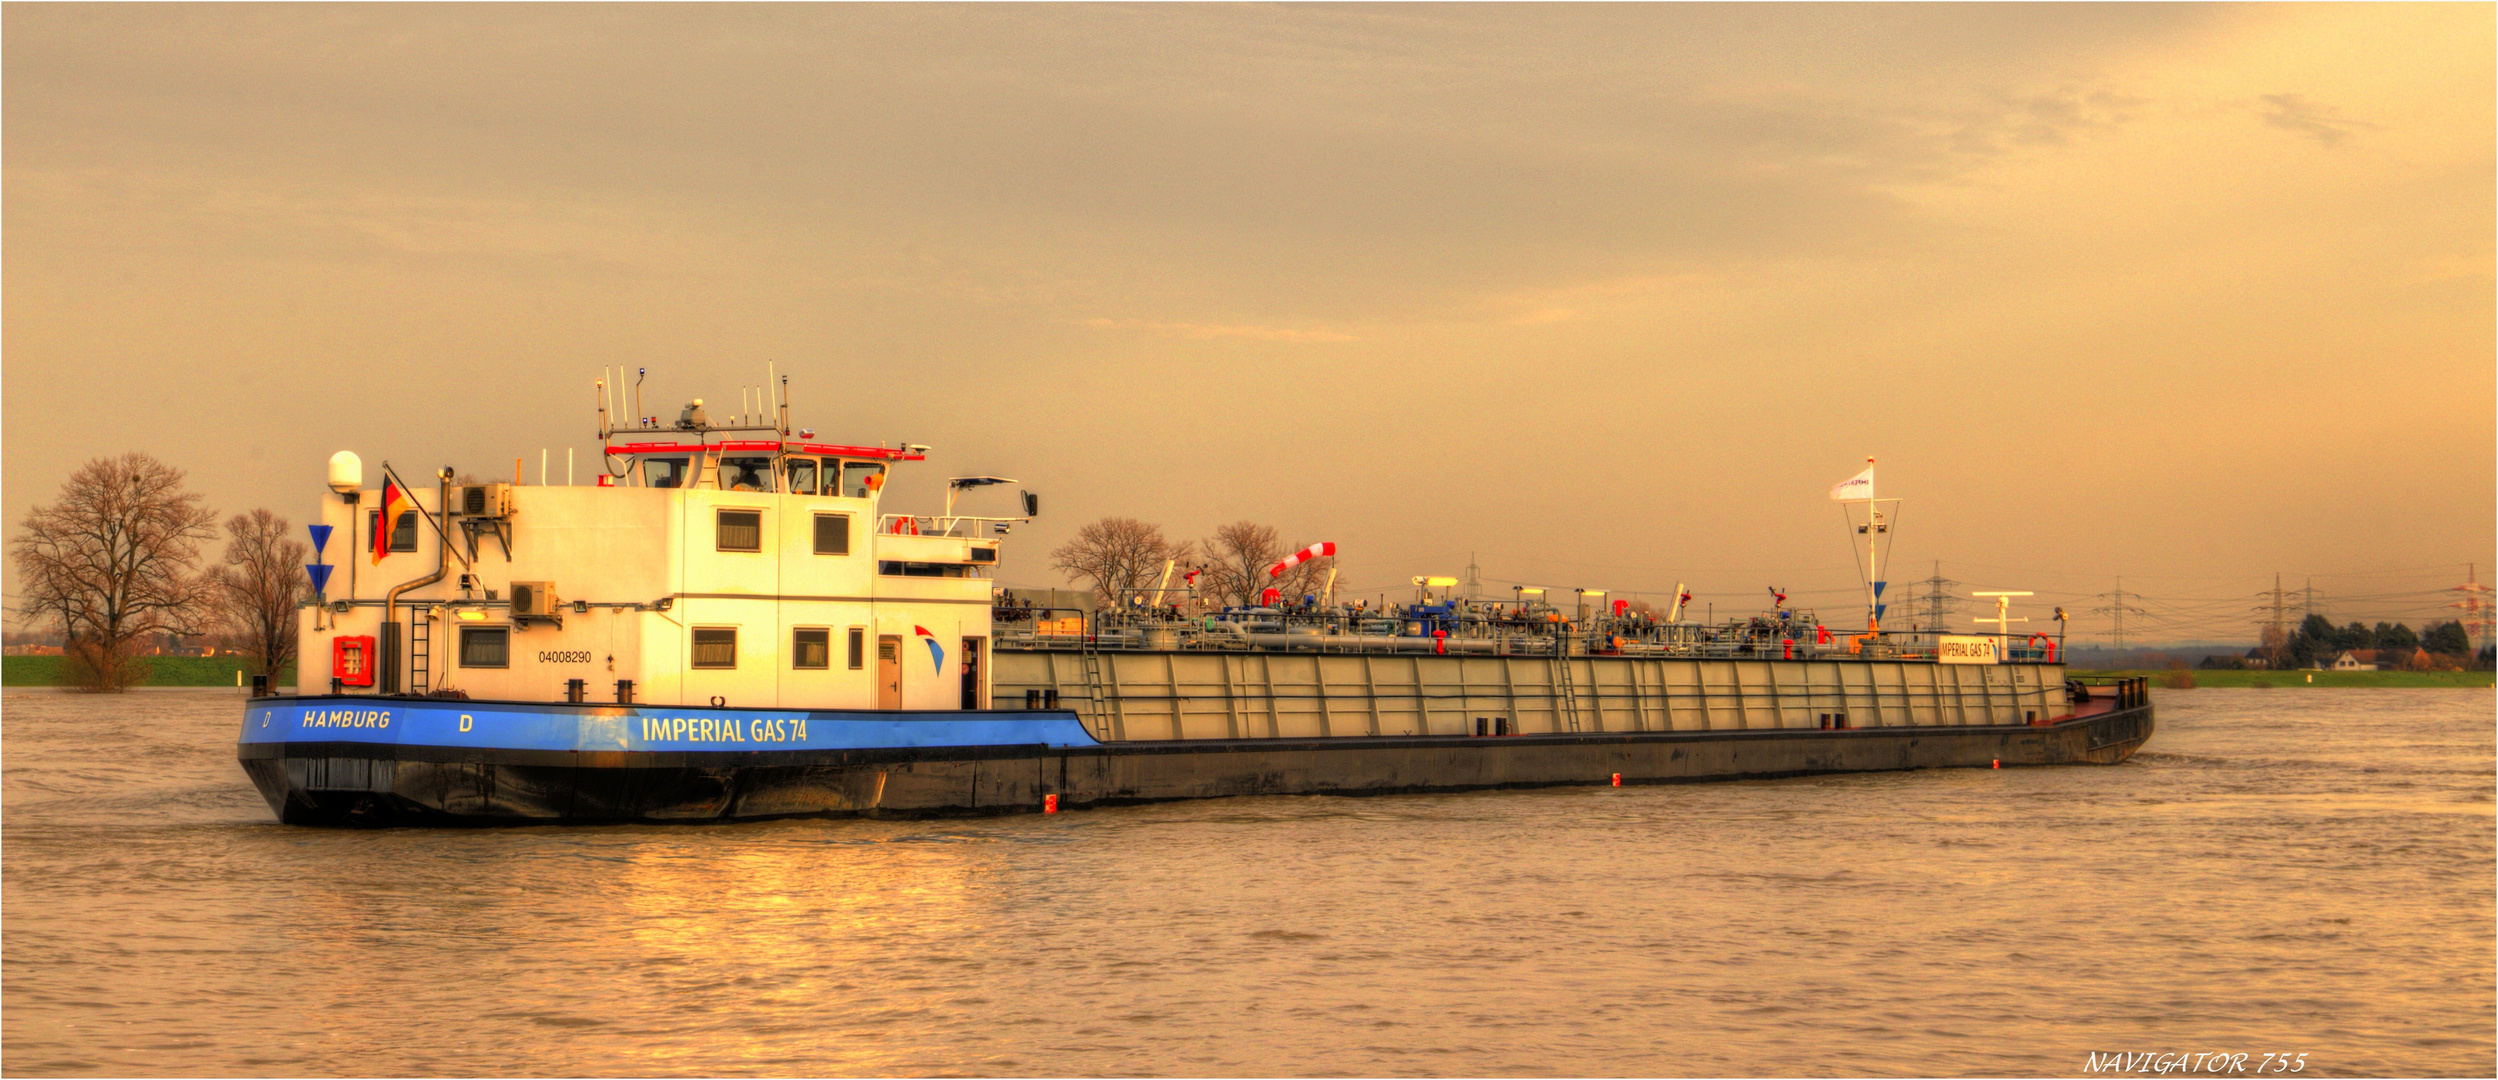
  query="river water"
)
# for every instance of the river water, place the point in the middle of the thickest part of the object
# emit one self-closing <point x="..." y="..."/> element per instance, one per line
<point x="2282" y="871"/>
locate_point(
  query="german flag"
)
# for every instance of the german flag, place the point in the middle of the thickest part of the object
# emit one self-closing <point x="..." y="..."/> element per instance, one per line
<point x="395" y="501"/>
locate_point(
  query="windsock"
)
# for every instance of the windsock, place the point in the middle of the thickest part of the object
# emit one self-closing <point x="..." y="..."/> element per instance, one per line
<point x="1319" y="550"/>
<point x="1777" y="599"/>
<point x="1191" y="576"/>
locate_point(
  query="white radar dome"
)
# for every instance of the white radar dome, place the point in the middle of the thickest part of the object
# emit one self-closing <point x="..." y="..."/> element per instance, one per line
<point x="346" y="472"/>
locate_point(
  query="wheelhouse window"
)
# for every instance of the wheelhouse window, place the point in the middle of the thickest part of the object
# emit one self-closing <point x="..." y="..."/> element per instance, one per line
<point x="402" y="537"/>
<point x="485" y="646"/>
<point x="745" y="474"/>
<point x="741" y="530"/>
<point x="715" y="647"/>
<point x="801" y="475"/>
<point x="832" y="534"/>
<point x="664" y="472"/>
<point x="858" y="648"/>
<point x="858" y="478"/>
<point x="811" y="650"/>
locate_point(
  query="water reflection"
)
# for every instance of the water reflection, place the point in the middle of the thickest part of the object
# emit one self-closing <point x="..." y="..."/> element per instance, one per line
<point x="2219" y="892"/>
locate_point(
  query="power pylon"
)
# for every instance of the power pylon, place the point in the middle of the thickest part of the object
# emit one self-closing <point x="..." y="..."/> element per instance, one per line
<point x="1935" y="603"/>
<point x="2477" y="610"/>
<point x="2277" y="630"/>
<point x="2116" y="608"/>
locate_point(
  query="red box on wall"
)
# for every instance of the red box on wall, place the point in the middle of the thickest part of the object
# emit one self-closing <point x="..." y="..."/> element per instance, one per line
<point x="351" y="660"/>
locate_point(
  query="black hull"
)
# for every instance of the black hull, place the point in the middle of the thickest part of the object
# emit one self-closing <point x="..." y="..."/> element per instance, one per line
<point x="362" y="784"/>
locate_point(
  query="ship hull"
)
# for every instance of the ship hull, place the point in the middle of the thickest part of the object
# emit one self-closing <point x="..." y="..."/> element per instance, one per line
<point x="898" y="765"/>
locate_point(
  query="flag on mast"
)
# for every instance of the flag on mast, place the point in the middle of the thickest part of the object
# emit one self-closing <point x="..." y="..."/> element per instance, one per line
<point x="1859" y="486"/>
<point x="394" y="501"/>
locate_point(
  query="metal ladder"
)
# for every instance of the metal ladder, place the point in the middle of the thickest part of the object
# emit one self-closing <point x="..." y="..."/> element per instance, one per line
<point x="1569" y="693"/>
<point x="420" y="650"/>
<point x="1091" y="652"/>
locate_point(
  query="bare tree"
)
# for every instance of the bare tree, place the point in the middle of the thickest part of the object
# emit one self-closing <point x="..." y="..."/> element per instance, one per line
<point x="112" y="562"/>
<point x="259" y="587"/>
<point x="1239" y="554"/>
<point x="1116" y="555"/>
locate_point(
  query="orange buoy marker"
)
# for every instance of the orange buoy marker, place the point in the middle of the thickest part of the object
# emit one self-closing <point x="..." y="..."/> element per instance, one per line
<point x="1617" y="779"/>
<point x="1049" y="804"/>
<point x="1999" y="763"/>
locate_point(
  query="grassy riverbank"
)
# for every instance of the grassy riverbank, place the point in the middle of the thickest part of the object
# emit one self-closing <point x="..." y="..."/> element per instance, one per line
<point x="162" y="671"/>
<point x="2303" y="680"/>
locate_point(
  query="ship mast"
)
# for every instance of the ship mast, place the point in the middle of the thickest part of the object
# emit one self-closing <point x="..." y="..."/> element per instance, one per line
<point x="1873" y="569"/>
<point x="1848" y="491"/>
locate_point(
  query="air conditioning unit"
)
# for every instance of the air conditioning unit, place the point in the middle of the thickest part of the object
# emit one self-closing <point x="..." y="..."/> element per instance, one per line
<point x="536" y="600"/>
<point x="482" y="500"/>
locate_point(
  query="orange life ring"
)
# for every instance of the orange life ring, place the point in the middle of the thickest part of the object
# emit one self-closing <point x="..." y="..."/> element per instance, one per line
<point x="2038" y="638"/>
<point x="900" y="525"/>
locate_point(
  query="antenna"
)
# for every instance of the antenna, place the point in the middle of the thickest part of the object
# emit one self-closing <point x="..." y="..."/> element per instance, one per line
<point x="780" y="403"/>
<point x="639" y="374"/>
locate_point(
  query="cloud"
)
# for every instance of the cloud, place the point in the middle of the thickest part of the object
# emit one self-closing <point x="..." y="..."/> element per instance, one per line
<point x="2321" y="122"/>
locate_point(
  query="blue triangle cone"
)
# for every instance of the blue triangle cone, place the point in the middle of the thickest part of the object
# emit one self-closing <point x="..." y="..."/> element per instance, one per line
<point x="320" y="575"/>
<point x="1878" y="589"/>
<point x="320" y="537"/>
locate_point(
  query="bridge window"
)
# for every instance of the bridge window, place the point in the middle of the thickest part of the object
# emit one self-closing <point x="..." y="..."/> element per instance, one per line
<point x="715" y="647"/>
<point x="485" y="646"/>
<point x="801" y="474"/>
<point x="667" y="472"/>
<point x="859" y="478"/>
<point x="746" y="474"/>
<point x="741" y="530"/>
<point x="811" y="650"/>
<point x="832" y="534"/>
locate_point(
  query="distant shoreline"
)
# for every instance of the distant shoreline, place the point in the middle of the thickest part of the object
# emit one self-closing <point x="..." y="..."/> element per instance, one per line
<point x="2309" y="679"/>
<point x="31" y="671"/>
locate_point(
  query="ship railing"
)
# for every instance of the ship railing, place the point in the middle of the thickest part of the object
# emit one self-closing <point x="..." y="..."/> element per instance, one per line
<point x="2130" y="691"/>
<point x="963" y="526"/>
<point x="1143" y="634"/>
<point x="1344" y="630"/>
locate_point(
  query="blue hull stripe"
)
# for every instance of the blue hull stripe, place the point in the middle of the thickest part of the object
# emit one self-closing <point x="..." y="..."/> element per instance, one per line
<point x="494" y="725"/>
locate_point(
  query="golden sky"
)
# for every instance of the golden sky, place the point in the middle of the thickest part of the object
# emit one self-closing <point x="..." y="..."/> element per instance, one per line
<point x="1608" y="295"/>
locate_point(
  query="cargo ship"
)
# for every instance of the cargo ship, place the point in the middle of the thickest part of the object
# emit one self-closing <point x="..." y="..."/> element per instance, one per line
<point x="728" y="624"/>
